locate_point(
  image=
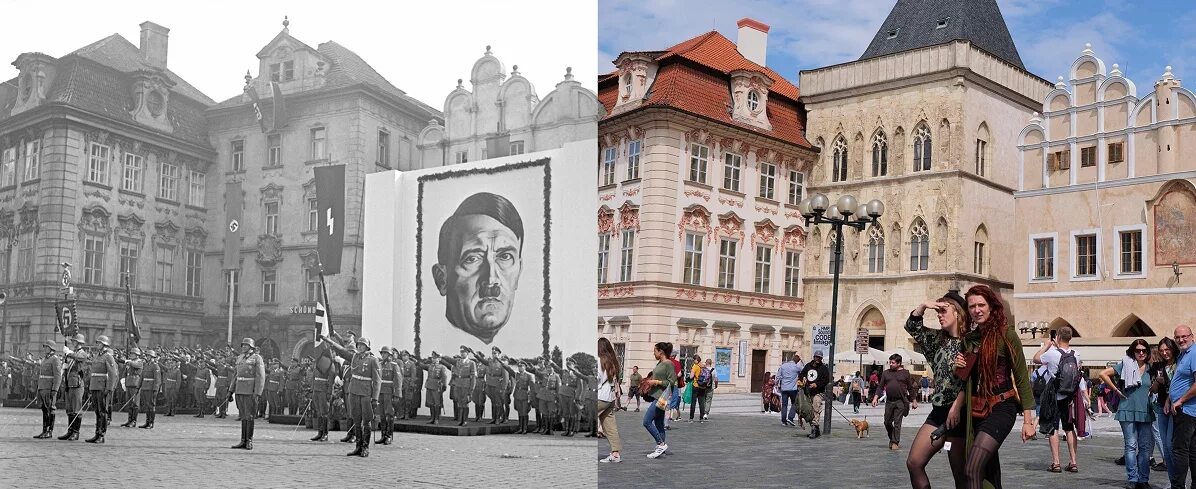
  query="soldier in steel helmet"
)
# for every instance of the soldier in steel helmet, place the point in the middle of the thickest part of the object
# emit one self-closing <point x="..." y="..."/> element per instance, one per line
<point x="364" y="387"/>
<point x="151" y="385"/>
<point x="76" y="383"/>
<point x="392" y="388"/>
<point x="49" y="380"/>
<point x="247" y="386"/>
<point x="434" y="385"/>
<point x="103" y="382"/>
<point x="133" y="366"/>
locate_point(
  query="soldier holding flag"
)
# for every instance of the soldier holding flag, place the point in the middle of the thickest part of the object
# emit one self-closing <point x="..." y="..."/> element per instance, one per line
<point x="364" y="387"/>
<point x="75" y="384"/>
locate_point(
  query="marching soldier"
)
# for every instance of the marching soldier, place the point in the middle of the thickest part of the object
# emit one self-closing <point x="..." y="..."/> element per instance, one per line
<point x="103" y="382"/>
<point x="76" y="360"/>
<point x="250" y="375"/>
<point x="434" y="385"/>
<point x="392" y="388"/>
<point x="224" y="381"/>
<point x="200" y="383"/>
<point x="151" y="385"/>
<point x="291" y="388"/>
<point x="464" y="377"/>
<point x="274" y="379"/>
<point x="133" y="366"/>
<point x="49" y="380"/>
<point x="323" y="376"/>
<point x="364" y="386"/>
<point x="172" y="382"/>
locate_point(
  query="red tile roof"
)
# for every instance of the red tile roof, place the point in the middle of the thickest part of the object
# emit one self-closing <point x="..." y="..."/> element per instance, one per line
<point x="694" y="76"/>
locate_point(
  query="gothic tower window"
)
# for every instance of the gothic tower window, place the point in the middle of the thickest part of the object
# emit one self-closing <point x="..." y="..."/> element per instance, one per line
<point x="839" y="156"/>
<point x="922" y="148"/>
<point x="880" y="155"/>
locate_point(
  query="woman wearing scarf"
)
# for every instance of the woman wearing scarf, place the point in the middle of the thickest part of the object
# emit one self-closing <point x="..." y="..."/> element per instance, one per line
<point x="1136" y="414"/>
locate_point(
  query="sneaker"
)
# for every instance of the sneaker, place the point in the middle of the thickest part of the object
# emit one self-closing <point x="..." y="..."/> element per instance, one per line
<point x="611" y="459"/>
<point x="658" y="452"/>
<point x="664" y="447"/>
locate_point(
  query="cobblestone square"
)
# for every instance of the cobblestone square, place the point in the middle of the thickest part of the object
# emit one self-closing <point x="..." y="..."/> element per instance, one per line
<point x="183" y="451"/>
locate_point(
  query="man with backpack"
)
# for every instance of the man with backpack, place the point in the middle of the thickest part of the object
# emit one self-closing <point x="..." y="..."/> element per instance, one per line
<point x="1063" y="376"/>
<point x="702" y="380"/>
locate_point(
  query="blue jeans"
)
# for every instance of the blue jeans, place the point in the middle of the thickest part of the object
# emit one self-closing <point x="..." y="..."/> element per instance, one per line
<point x="1165" y="425"/>
<point x="1139" y="442"/>
<point x="675" y="398"/>
<point x="654" y="422"/>
<point x="788" y="405"/>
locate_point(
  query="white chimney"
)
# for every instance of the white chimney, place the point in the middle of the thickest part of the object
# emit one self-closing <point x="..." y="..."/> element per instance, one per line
<point x="753" y="40"/>
<point x="153" y="43"/>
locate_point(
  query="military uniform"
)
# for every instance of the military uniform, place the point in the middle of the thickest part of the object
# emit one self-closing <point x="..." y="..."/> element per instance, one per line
<point x="274" y="380"/>
<point x="250" y="380"/>
<point x="151" y="384"/>
<point x="322" y="380"/>
<point x="497" y="380"/>
<point x="547" y="397"/>
<point x="392" y="389"/>
<point x="567" y="402"/>
<point x="364" y="386"/>
<point x="291" y="389"/>
<point x="478" y="396"/>
<point x="409" y="400"/>
<point x="133" y="368"/>
<point x="76" y="383"/>
<point x="434" y="387"/>
<point x="524" y="395"/>
<point x="103" y="381"/>
<point x="172" y="381"/>
<point x="464" y="377"/>
<point x="49" y="380"/>
<point x="224" y="382"/>
<point x="200" y="383"/>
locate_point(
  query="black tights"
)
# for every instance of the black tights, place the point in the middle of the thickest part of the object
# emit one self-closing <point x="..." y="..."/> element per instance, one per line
<point x="923" y="449"/>
<point x="983" y="462"/>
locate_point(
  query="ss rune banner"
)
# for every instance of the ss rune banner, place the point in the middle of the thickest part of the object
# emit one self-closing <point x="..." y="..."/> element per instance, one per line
<point x="330" y="204"/>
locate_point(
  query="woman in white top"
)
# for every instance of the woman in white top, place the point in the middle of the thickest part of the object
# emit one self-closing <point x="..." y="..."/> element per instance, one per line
<point x="608" y="370"/>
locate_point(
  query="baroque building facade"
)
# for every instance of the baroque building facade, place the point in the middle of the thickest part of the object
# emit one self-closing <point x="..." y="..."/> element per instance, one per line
<point x="701" y="161"/>
<point x="1108" y="174"/>
<point x="924" y="121"/>
<point x="104" y="164"/>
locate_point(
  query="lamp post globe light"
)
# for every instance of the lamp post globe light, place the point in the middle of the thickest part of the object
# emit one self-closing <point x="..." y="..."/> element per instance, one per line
<point x="847" y="211"/>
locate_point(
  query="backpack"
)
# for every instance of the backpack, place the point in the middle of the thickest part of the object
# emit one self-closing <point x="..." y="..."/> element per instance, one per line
<point x="1068" y="377"/>
<point x="704" y="378"/>
<point x="1039" y="385"/>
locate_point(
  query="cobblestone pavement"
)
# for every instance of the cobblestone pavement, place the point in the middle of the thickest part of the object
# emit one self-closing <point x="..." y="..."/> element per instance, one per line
<point x="756" y="451"/>
<point x="183" y="451"/>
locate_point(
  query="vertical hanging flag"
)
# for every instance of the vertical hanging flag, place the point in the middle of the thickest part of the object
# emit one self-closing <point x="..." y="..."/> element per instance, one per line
<point x="280" y="110"/>
<point x="330" y="203"/>
<point x="232" y="231"/>
<point x="67" y="324"/>
<point x="321" y="324"/>
<point x="257" y="106"/>
<point x="130" y="318"/>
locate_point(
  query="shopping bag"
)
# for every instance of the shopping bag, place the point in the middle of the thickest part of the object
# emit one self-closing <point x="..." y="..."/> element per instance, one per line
<point x="688" y="396"/>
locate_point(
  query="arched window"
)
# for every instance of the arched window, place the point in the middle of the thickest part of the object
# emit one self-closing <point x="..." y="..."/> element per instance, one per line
<point x="922" y="148"/>
<point x="627" y="85"/>
<point x="979" y="243"/>
<point x="982" y="149"/>
<point x="839" y="154"/>
<point x="919" y="246"/>
<point x="833" y="264"/>
<point x="876" y="249"/>
<point x="880" y="155"/>
<point x="753" y="100"/>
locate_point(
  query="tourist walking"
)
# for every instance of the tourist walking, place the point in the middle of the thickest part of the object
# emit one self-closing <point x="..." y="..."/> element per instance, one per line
<point x="1161" y="373"/>
<point x="943" y="423"/>
<point x="1135" y="415"/>
<point x="608" y="369"/>
<point x="657" y="388"/>
<point x="898" y="388"/>
<point x="633" y="389"/>
<point x="1064" y="379"/>
<point x="770" y="397"/>
<point x="787" y="381"/>
<point x="708" y="398"/>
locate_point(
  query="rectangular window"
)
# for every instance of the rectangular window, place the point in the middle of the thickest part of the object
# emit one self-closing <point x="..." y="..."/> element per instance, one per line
<point x="726" y="263"/>
<point x="384" y="148"/>
<point x="274" y="150"/>
<point x="1086" y="255"/>
<point x="313" y="215"/>
<point x="978" y="258"/>
<point x="128" y="265"/>
<point x="627" y="255"/>
<point x="515" y="148"/>
<point x="164" y="279"/>
<point x="97" y="163"/>
<point x="1131" y="251"/>
<point x="93" y="260"/>
<point x="168" y="187"/>
<point x="603" y="256"/>
<point x="5" y="254"/>
<point x="33" y="158"/>
<point x="1116" y="152"/>
<point x="238" y="154"/>
<point x="462" y="157"/>
<point x="236" y="286"/>
<point x="792" y="267"/>
<point x="763" y="269"/>
<point x="1088" y="157"/>
<point x="768" y="178"/>
<point x="318" y="148"/>
<point x="313" y="285"/>
<point x="269" y="286"/>
<point x="1060" y="160"/>
<point x="633" y="159"/>
<point x="698" y="156"/>
<point x="692" y="269"/>
<point x="288" y="70"/>
<point x="797" y="186"/>
<point x="981" y="147"/>
<point x="134" y="167"/>
<point x="196" y="188"/>
<point x="1044" y="258"/>
<point x="25" y="256"/>
<point x="732" y="165"/>
<point x="194" y="273"/>
<point x="8" y="167"/>
<point x="271" y="217"/>
<point x="276" y="72"/>
<point x="608" y="166"/>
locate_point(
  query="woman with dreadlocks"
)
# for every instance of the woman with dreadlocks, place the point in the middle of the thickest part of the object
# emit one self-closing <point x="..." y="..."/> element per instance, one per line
<point x="997" y="385"/>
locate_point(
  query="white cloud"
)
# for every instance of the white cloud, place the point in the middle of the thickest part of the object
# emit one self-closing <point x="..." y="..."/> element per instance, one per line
<point x="1050" y="50"/>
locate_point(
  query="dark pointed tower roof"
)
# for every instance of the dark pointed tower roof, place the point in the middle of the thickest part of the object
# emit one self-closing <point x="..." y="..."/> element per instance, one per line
<point x="915" y="24"/>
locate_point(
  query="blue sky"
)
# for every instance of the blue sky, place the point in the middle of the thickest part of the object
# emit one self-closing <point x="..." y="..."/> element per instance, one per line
<point x="1143" y="37"/>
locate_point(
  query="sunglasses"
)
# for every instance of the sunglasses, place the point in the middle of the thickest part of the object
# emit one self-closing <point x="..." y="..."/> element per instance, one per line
<point x="1140" y="350"/>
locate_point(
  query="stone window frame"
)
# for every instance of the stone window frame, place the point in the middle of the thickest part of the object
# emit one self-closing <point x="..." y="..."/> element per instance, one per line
<point x="1119" y="251"/>
<point x="768" y="180"/>
<point x="1075" y="235"/>
<point x="626" y="255"/>
<point x="271" y="221"/>
<point x="273" y="150"/>
<point x="876" y="249"/>
<point x="133" y="173"/>
<point x="634" y="150"/>
<point x="26" y="256"/>
<point x="1051" y="261"/>
<point x="8" y="166"/>
<point x="129" y="265"/>
<point x="603" y="257"/>
<point x="196" y="192"/>
<point x="923" y="148"/>
<point x="193" y="282"/>
<point x="269" y="286"/>
<point x="792" y="285"/>
<point x="98" y="165"/>
<point x="33" y="158"/>
<point x="610" y="157"/>
<point x="880" y="154"/>
<point x="164" y="267"/>
<point x="699" y="163"/>
<point x="762" y="276"/>
<point x="169" y="175"/>
<point x="319" y="144"/>
<point x="237" y="155"/>
<point x="383" y="149"/>
<point x="753" y="100"/>
<point x="919" y="245"/>
<point x="691" y="258"/>
<point x="93" y="259"/>
<point x="839" y="159"/>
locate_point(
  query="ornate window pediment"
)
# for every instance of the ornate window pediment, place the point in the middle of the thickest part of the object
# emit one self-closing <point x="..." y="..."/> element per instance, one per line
<point x="695" y="218"/>
<point x="129" y="226"/>
<point x="269" y="250"/>
<point x="766" y="233"/>
<point x="794" y="237"/>
<point x="166" y="232"/>
<point x="629" y="216"/>
<point x="95" y="220"/>
<point x="749" y="96"/>
<point x="731" y="226"/>
<point x="606" y="220"/>
<point x="195" y="237"/>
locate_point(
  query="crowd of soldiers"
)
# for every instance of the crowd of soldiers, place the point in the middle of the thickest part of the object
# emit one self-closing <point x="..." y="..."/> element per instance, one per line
<point x="344" y="381"/>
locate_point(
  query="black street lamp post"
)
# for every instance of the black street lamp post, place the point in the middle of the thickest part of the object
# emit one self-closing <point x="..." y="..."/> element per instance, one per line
<point x="817" y="210"/>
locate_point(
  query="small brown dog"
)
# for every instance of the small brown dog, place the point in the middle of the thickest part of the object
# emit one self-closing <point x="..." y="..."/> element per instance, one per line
<point x="861" y="427"/>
